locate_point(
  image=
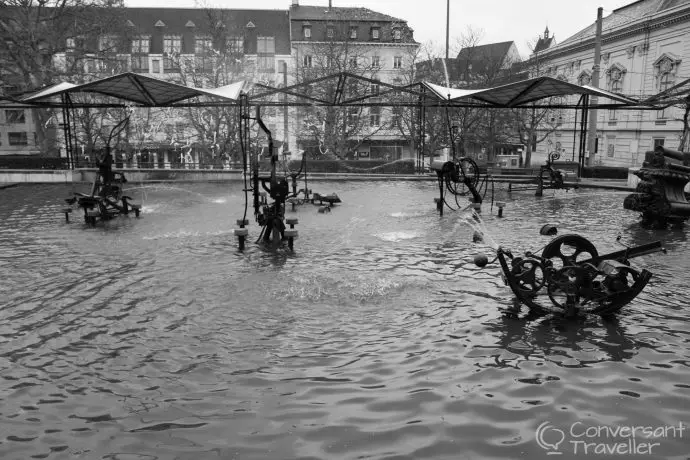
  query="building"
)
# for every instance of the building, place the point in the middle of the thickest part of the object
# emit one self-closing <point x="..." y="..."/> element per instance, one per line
<point x="645" y="49"/>
<point x="487" y="64"/>
<point x="365" y="43"/>
<point x="198" y="47"/>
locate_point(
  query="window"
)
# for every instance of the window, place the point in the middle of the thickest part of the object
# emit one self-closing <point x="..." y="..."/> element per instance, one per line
<point x="202" y="45"/>
<point x="234" y="45"/>
<point x="172" y="44"/>
<point x="352" y="116"/>
<point x="659" y="142"/>
<point x="376" y="61"/>
<point x="396" y="116"/>
<point x="397" y="34"/>
<point x="141" y="45"/>
<point x="610" y="146"/>
<point x="665" y="82"/>
<point x="374" y="116"/>
<point x="661" y="114"/>
<point x="375" y="33"/>
<point x="18" y="138"/>
<point x="140" y="63"/>
<point x="353" y="33"/>
<point x="613" y="115"/>
<point x="375" y="89"/>
<point x="397" y="62"/>
<point x="156" y="66"/>
<point x="306" y="31"/>
<point x="172" y="47"/>
<point x="15" y="117"/>
<point x="107" y="44"/>
<point x="352" y="62"/>
<point x="330" y="32"/>
<point x="70" y="44"/>
<point x="306" y="61"/>
<point x="616" y="75"/>
<point x="266" y="50"/>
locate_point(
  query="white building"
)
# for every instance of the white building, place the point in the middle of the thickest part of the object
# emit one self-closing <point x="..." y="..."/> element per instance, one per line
<point x="645" y="50"/>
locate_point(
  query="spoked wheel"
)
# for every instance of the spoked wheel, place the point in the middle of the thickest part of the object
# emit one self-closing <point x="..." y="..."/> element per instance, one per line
<point x="529" y="275"/>
<point x="470" y="169"/>
<point x="569" y="250"/>
<point x="570" y="286"/>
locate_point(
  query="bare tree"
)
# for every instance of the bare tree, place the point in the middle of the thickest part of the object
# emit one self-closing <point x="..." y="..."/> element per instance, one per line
<point x="34" y="32"/>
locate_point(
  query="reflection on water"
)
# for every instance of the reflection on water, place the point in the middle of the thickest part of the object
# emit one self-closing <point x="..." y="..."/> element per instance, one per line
<point x="154" y="338"/>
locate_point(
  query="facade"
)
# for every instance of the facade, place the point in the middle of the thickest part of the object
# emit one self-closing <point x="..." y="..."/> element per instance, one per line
<point x="645" y="50"/>
<point x="329" y="40"/>
<point x="197" y="47"/>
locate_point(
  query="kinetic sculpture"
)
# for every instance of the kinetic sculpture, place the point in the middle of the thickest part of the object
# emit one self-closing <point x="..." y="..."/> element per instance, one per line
<point x="570" y="277"/>
<point x="550" y="178"/>
<point x="660" y="195"/>
<point x="454" y="175"/>
<point x="270" y="216"/>
<point x="106" y="199"/>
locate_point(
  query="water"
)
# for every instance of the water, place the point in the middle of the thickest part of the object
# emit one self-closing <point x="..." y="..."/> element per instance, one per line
<point x="154" y="338"/>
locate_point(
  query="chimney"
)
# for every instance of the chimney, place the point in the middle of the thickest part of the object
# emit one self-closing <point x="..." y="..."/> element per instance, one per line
<point x="295" y="2"/>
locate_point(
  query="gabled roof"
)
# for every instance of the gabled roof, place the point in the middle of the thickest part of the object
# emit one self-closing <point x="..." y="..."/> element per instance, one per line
<point x="139" y="89"/>
<point x="323" y="13"/>
<point x="543" y="43"/>
<point x="488" y="51"/>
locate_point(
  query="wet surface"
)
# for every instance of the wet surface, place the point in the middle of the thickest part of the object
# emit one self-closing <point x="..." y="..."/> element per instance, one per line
<point x="154" y="338"/>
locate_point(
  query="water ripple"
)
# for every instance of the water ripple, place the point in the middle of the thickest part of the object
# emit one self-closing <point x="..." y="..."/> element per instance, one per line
<point x="154" y="338"/>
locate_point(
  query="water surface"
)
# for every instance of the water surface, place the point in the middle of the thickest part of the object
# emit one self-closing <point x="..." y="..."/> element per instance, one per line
<point x="155" y="338"/>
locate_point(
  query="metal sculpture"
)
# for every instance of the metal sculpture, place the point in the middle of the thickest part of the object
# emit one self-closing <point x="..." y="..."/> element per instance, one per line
<point x="106" y="199"/>
<point x="550" y="178"/>
<point x="570" y="277"/>
<point x="452" y="177"/>
<point x="660" y="195"/>
<point x="269" y="215"/>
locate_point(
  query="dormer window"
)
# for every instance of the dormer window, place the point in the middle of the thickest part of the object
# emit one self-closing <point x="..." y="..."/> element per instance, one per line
<point x="397" y="34"/>
<point x="306" y="31"/>
<point x="375" y="33"/>
<point x="353" y="33"/>
<point x="330" y="32"/>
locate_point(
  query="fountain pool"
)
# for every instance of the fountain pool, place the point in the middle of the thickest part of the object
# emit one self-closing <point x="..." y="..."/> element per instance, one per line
<point x="155" y="338"/>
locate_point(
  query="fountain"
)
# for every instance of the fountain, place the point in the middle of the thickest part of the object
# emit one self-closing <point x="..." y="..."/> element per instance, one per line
<point x="660" y="195"/>
<point x="106" y="199"/>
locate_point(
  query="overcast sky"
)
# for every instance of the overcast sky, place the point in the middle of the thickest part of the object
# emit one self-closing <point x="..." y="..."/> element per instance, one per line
<point x="520" y="21"/>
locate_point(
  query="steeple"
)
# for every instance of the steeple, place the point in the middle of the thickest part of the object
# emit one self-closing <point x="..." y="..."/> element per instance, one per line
<point x="546" y="33"/>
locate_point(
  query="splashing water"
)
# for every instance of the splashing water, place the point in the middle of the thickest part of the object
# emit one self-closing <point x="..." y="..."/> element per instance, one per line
<point x="145" y="188"/>
<point x="475" y="221"/>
